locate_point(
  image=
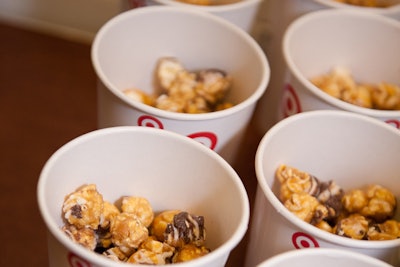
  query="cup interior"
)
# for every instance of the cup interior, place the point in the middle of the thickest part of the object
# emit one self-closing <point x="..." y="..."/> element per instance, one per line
<point x="364" y="43"/>
<point x="171" y="171"/>
<point x="352" y="150"/>
<point x="127" y="48"/>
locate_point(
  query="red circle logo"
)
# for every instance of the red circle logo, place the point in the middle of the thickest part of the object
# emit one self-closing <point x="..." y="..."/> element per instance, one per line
<point x="75" y="261"/>
<point x="150" y="121"/>
<point x="137" y="3"/>
<point x="394" y="123"/>
<point x="303" y="240"/>
<point x="290" y="101"/>
<point x="206" y="138"/>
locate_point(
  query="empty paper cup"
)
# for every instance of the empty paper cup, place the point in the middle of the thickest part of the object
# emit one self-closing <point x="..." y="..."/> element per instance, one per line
<point x="170" y="170"/>
<point x="320" y="41"/>
<point x="125" y="53"/>
<point x="315" y="257"/>
<point x="274" y="17"/>
<point x="241" y="13"/>
<point x="350" y="149"/>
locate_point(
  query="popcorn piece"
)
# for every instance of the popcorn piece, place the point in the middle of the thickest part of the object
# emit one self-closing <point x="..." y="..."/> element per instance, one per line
<point x="330" y="195"/>
<point x="354" y="200"/>
<point x="116" y="254"/>
<point x="386" y="96"/>
<point x="143" y="256"/>
<point x="179" y="228"/>
<point x="140" y="207"/>
<point x="138" y="95"/>
<point x="374" y="202"/>
<point x="306" y="207"/>
<point x="83" y="236"/>
<point x="186" y="228"/>
<point x="387" y="230"/>
<point x="354" y="226"/>
<point x="158" y="247"/>
<point x="152" y="252"/>
<point x="167" y="70"/>
<point x="161" y="222"/>
<point x="189" y="252"/>
<point x="324" y="225"/>
<point x="294" y="181"/>
<point x="127" y="231"/>
<point x="214" y="85"/>
<point x="109" y="212"/>
<point x="83" y="208"/>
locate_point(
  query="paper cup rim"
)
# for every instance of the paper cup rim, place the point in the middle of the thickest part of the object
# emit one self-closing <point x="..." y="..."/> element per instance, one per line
<point x="326" y="252"/>
<point x="212" y="8"/>
<point x="282" y="210"/>
<point x="251" y="100"/>
<point x="299" y="22"/>
<point x="55" y="230"/>
<point x="393" y="9"/>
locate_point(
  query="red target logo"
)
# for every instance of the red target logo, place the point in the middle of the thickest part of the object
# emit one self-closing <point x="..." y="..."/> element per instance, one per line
<point x="290" y="101"/>
<point x="137" y="3"/>
<point x="206" y="138"/>
<point x="303" y="240"/>
<point x="75" y="261"/>
<point x="150" y="121"/>
<point x="394" y="123"/>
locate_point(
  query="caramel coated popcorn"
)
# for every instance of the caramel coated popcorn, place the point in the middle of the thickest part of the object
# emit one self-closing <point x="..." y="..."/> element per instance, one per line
<point x="178" y="228"/>
<point x="340" y="84"/>
<point x="198" y="2"/>
<point x="209" y="2"/>
<point x="131" y="232"/>
<point x="367" y="3"/>
<point x="185" y="91"/>
<point x="84" y="207"/>
<point x="363" y="213"/>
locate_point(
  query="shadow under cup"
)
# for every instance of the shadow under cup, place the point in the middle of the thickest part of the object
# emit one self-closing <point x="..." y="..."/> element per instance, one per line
<point x="125" y="53"/>
<point x="171" y="171"/>
<point x="351" y="149"/>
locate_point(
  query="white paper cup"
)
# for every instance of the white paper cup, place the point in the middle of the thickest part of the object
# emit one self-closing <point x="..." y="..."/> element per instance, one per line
<point x="241" y="13"/>
<point x="171" y="171"/>
<point x="315" y="257"/>
<point x="319" y="41"/>
<point x="127" y="48"/>
<point x="272" y="21"/>
<point x="351" y="149"/>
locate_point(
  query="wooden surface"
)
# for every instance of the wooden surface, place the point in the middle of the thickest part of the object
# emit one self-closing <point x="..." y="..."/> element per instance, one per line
<point x="47" y="98"/>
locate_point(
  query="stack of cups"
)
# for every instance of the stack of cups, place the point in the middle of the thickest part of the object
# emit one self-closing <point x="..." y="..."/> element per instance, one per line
<point x="274" y="19"/>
